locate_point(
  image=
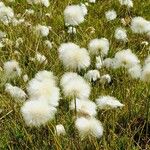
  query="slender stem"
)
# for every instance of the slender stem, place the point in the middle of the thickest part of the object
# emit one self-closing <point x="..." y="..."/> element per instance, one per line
<point x="75" y="104"/>
<point x="147" y="115"/>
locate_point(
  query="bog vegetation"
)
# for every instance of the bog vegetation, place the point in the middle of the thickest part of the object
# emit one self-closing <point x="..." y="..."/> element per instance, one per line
<point x="75" y="74"/>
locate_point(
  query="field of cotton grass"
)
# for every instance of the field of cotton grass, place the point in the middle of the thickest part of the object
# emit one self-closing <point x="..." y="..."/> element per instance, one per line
<point x="75" y="74"/>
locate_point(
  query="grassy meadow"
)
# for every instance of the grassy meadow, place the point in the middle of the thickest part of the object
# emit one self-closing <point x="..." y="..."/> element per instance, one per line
<point x="124" y="128"/>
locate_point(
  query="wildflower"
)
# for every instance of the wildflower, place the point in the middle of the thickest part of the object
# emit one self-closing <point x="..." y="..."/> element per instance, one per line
<point x="99" y="46"/>
<point x="74" y="14"/>
<point x="6" y="14"/>
<point x="126" y="58"/>
<point x="74" y="57"/>
<point x="72" y="30"/>
<point x="89" y="126"/>
<point x="15" y="92"/>
<point x="105" y="79"/>
<point x="92" y="75"/>
<point x="73" y="85"/>
<point x="108" y="102"/>
<point x="25" y="78"/>
<point x="48" y="44"/>
<point x="12" y="69"/>
<point x="40" y="58"/>
<point x="145" y="76"/>
<point x="92" y="1"/>
<point x="43" y="86"/>
<point x="37" y="112"/>
<point x="140" y="25"/>
<point x="120" y="34"/>
<point x="60" y="130"/>
<point x="84" y="107"/>
<point x="42" y="30"/>
<point x="19" y="41"/>
<point x="43" y="2"/>
<point x="135" y="71"/>
<point x="128" y="3"/>
<point x="29" y="11"/>
<point x="111" y="15"/>
<point x="99" y="62"/>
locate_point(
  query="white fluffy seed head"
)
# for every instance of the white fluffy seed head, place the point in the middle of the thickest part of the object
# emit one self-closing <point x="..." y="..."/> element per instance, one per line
<point x="105" y="79"/>
<point x="37" y="112"/>
<point x="99" y="46"/>
<point x="74" y="14"/>
<point x="40" y="58"/>
<point x="43" y="2"/>
<point x="140" y="25"/>
<point x="92" y="75"/>
<point x="17" y="93"/>
<point x="73" y="85"/>
<point x="135" y="71"/>
<point x="60" y="130"/>
<point x="48" y="44"/>
<point x="120" y="34"/>
<point x="125" y="58"/>
<point x="89" y="127"/>
<point x="44" y="86"/>
<point x="92" y="1"/>
<point x="84" y="107"/>
<point x="111" y="15"/>
<point x="12" y="69"/>
<point x="41" y="30"/>
<point x="145" y="76"/>
<point x="74" y="57"/>
<point x="6" y="14"/>
<point x="108" y="102"/>
<point x="128" y="3"/>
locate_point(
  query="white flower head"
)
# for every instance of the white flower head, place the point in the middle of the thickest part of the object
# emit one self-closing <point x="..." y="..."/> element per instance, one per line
<point x="120" y="34"/>
<point x="135" y="71"/>
<point x="29" y="11"/>
<point x="12" y="69"/>
<point x="72" y="30"/>
<point x="92" y="75"/>
<point x="84" y="107"/>
<point x="19" y="41"/>
<point x="74" y="14"/>
<point x="89" y="127"/>
<point x="43" y="2"/>
<point x="48" y="44"/>
<point x="6" y="14"/>
<point x="42" y="30"/>
<point x="37" y="112"/>
<point x="99" y="46"/>
<point x="60" y="130"/>
<point x="105" y="79"/>
<point x="43" y="86"/>
<point x="15" y="92"/>
<point x="74" y="57"/>
<point x="128" y="3"/>
<point x="73" y="85"/>
<point x="111" y="15"/>
<point x="125" y="58"/>
<point x="25" y="78"/>
<point x="145" y="76"/>
<point x="40" y="58"/>
<point x="92" y="1"/>
<point x="140" y="25"/>
<point x="108" y="102"/>
<point x="108" y="63"/>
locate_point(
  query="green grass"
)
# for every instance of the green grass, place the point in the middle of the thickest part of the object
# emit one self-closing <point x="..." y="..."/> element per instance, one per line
<point x="124" y="129"/>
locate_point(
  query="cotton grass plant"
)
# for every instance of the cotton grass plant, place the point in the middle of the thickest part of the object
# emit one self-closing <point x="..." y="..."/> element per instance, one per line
<point x="74" y="74"/>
